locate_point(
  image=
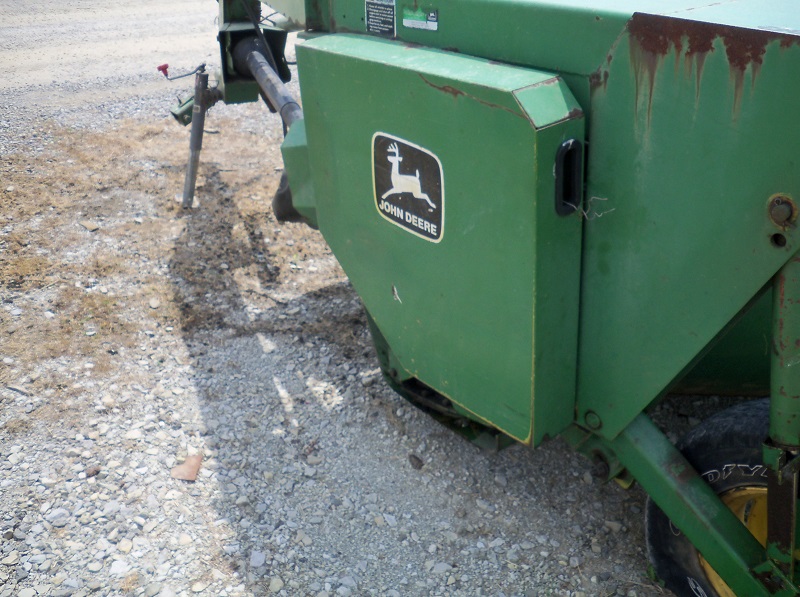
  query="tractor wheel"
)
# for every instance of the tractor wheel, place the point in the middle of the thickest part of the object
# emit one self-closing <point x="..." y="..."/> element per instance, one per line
<point x="726" y="451"/>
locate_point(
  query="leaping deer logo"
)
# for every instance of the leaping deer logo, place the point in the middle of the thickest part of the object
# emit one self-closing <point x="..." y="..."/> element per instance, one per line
<point x="404" y="183"/>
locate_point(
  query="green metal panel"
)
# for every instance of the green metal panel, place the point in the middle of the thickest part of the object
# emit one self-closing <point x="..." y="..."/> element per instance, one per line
<point x="784" y="418"/>
<point x="234" y="23"/>
<point x="318" y="15"/>
<point x="507" y="30"/>
<point x="738" y="364"/>
<point x="580" y="36"/>
<point x="295" y="159"/>
<point x="487" y="314"/>
<point x="565" y="36"/>
<point x="231" y="11"/>
<point x="689" y="143"/>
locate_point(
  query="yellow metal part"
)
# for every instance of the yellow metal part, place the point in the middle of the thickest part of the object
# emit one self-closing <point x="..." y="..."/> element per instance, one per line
<point x="750" y="506"/>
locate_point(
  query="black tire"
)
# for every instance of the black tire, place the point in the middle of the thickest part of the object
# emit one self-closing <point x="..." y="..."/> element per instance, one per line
<point x="726" y="450"/>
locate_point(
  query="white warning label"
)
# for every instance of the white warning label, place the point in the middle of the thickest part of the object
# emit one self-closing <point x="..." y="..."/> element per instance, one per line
<point x="380" y="17"/>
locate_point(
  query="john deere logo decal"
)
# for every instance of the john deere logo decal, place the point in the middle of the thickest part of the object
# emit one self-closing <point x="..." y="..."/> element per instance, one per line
<point x="408" y="184"/>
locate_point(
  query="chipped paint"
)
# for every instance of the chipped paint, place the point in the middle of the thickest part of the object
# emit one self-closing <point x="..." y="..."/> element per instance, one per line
<point x="599" y="78"/>
<point x="574" y="113"/>
<point x="653" y="37"/>
<point x="456" y="93"/>
<point x="448" y="89"/>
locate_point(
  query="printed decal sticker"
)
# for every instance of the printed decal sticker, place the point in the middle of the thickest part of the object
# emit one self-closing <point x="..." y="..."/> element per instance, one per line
<point x="380" y="17"/>
<point x="421" y="19"/>
<point x="408" y="186"/>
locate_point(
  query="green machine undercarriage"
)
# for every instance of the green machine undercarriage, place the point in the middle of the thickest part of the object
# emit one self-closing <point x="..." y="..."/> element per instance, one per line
<point x="556" y="213"/>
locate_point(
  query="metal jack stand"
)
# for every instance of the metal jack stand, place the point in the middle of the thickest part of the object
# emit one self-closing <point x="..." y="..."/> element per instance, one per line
<point x="204" y="98"/>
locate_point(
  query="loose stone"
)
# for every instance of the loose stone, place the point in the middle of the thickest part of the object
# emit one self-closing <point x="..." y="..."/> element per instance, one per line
<point x="119" y="568"/>
<point x="257" y="559"/>
<point x="276" y="584"/>
<point x="11" y="559"/>
<point x="58" y="517"/>
<point x="125" y="545"/>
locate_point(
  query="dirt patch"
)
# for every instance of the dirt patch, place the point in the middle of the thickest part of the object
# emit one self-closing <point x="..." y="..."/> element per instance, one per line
<point x="92" y="224"/>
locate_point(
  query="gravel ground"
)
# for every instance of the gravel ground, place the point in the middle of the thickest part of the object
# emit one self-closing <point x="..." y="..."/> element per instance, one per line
<point x="135" y="338"/>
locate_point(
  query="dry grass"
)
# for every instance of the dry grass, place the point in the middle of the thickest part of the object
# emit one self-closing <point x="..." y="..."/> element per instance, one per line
<point x="16" y="426"/>
<point x="45" y="252"/>
<point x="23" y="272"/>
<point x="52" y="268"/>
<point x="79" y="312"/>
<point x="130" y="583"/>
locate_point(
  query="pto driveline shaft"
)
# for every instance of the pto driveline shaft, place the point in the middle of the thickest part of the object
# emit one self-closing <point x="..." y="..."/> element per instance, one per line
<point x="250" y="57"/>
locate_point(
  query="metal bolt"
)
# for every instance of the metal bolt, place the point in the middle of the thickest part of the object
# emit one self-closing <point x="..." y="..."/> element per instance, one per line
<point x="781" y="210"/>
<point x="592" y="420"/>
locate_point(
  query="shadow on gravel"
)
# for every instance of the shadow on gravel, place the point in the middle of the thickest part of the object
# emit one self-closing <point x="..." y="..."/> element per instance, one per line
<point x="307" y="452"/>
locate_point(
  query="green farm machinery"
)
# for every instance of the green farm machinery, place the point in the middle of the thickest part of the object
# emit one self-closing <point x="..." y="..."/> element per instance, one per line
<point x="556" y="213"/>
